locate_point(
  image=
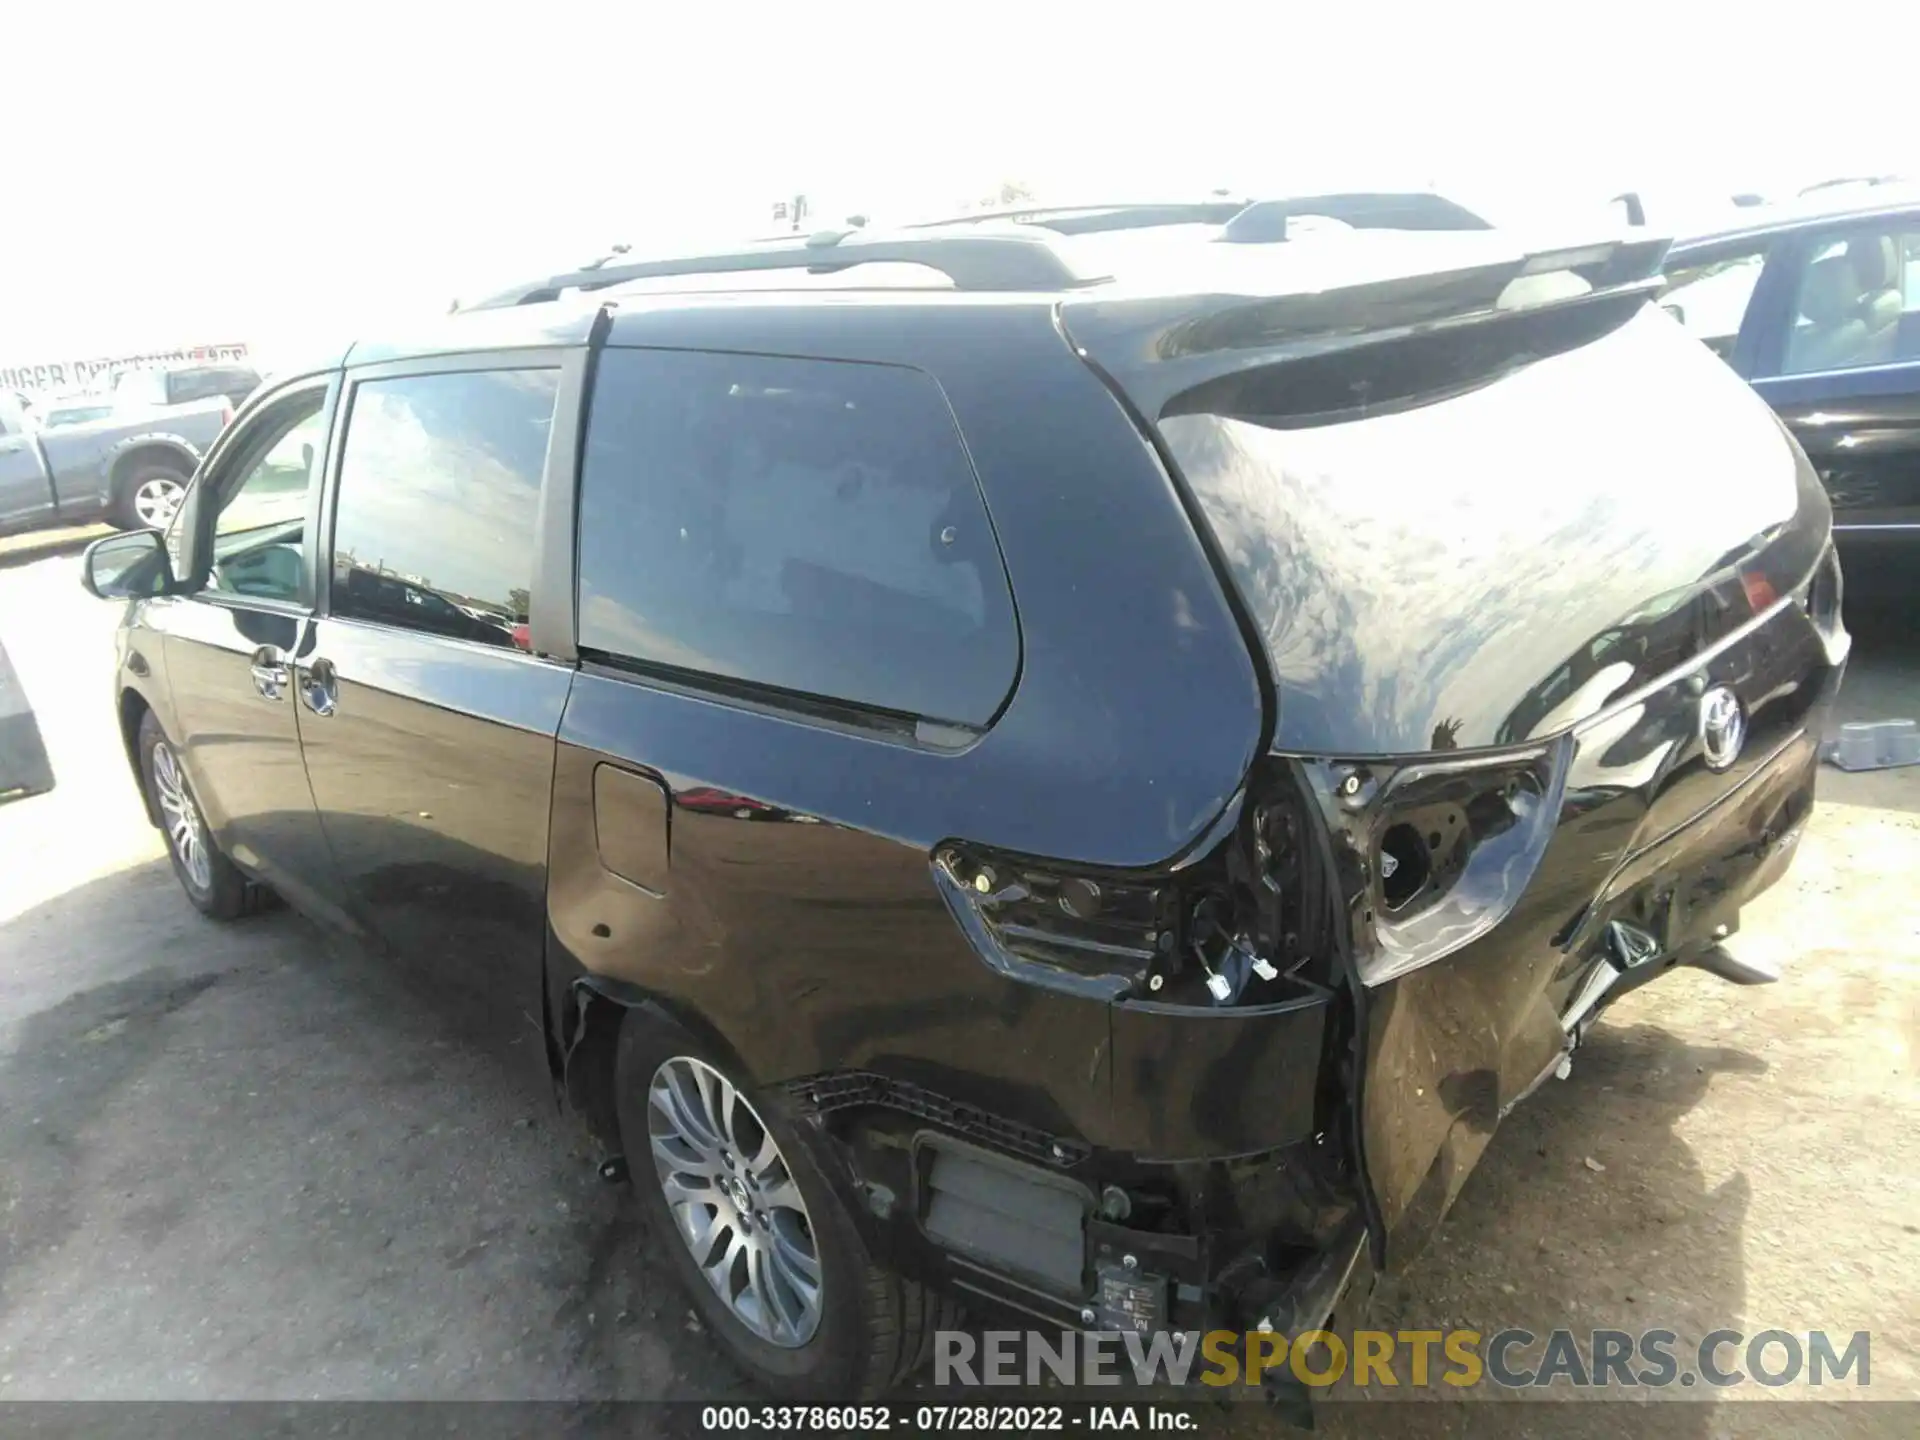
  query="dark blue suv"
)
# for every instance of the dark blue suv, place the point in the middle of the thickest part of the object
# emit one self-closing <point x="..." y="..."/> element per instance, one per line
<point x="1818" y="305"/>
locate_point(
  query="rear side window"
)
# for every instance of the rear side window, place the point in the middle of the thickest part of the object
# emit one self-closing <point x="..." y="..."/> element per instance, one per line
<point x="439" y="490"/>
<point x="807" y="525"/>
<point x="190" y="385"/>
<point x="1857" y="302"/>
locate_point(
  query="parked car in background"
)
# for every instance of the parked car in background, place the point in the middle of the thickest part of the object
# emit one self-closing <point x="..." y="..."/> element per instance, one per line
<point x="168" y="387"/>
<point x="1411" y="656"/>
<point x="129" y="471"/>
<point x="1816" y="302"/>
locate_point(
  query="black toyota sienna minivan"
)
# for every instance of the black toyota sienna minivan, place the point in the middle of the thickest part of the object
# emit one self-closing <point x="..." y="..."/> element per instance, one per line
<point x="1009" y="767"/>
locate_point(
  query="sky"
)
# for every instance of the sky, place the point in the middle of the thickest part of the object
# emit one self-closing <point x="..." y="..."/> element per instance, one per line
<point x="290" y="174"/>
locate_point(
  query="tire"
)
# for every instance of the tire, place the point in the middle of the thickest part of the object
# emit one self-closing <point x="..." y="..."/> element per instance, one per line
<point x="872" y="1328"/>
<point x="212" y="882"/>
<point x="137" y="499"/>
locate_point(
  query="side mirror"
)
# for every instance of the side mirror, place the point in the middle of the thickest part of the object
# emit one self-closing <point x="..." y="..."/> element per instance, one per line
<point x="306" y="458"/>
<point x="132" y="566"/>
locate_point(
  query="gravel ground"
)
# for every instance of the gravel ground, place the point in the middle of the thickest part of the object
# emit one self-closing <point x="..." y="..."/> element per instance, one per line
<point x="248" y="1162"/>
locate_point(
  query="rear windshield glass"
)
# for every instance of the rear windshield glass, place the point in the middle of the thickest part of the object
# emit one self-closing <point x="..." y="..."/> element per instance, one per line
<point x="805" y="525"/>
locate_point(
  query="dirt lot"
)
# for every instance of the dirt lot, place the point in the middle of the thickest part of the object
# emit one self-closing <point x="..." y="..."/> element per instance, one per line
<point x="246" y="1162"/>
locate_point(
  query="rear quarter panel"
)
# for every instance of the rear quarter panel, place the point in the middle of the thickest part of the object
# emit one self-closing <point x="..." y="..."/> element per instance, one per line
<point x="809" y="932"/>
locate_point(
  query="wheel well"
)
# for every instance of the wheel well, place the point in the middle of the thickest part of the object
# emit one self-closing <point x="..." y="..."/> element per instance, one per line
<point x="592" y="1030"/>
<point x="593" y="1010"/>
<point x="133" y="710"/>
<point x="163" y="456"/>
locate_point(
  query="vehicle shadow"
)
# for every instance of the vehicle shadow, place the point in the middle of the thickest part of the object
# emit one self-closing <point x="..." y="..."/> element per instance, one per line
<point x="251" y="1161"/>
<point x="1588" y="1211"/>
<point x="18" y="551"/>
<point x="328" y="1182"/>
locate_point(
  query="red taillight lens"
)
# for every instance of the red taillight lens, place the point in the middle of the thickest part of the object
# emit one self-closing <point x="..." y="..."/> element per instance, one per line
<point x="1760" y="591"/>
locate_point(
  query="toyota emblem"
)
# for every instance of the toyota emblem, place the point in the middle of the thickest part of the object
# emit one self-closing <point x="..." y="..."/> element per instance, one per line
<point x="1723" y="727"/>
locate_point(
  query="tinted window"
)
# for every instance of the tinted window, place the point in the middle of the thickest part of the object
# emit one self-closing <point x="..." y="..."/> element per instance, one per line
<point x="259" y="532"/>
<point x="1855" y="302"/>
<point x="187" y="385"/>
<point x="803" y="524"/>
<point x="439" y="489"/>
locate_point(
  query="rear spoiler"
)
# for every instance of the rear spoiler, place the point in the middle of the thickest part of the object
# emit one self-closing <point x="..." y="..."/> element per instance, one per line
<point x="1375" y="342"/>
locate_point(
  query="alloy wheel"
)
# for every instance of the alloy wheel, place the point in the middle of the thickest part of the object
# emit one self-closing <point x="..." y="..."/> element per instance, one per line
<point x="186" y="832"/>
<point x="734" y="1201"/>
<point x="157" y="500"/>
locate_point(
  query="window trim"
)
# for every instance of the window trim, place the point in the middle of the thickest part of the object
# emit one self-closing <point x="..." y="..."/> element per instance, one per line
<point x="215" y="470"/>
<point x="553" y="621"/>
<point x="569" y="362"/>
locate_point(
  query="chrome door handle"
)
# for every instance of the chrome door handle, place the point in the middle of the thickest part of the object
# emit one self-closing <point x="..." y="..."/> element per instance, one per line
<point x="270" y="673"/>
<point x="320" y="688"/>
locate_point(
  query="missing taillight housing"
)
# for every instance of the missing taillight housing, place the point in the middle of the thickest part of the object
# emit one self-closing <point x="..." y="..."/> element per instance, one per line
<point x="1439" y="850"/>
<point x="1405" y="864"/>
<point x="1820" y="598"/>
<point x="1092" y="934"/>
<point x="1245" y="922"/>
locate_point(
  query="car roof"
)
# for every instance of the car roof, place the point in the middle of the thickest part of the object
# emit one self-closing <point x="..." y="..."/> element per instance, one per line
<point x="1818" y="208"/>
<point x="1029" y="258"/>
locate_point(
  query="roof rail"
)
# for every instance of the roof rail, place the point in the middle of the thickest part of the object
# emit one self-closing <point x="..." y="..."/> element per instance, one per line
<point x="1014" y="258"/>
<point x="1242" y="220"/>
<point x="1095" y="219"/>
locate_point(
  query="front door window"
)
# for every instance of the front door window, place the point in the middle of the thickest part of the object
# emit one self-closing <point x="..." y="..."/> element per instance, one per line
<point x="260" y="531"/>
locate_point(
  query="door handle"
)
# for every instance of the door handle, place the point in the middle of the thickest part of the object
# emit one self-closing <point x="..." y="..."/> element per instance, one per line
<point x="270" y="674"/>
<point x="320" y="687"/>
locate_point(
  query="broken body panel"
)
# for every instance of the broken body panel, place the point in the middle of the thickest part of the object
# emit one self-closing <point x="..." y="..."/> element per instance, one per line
<point x="1309" y="840"/>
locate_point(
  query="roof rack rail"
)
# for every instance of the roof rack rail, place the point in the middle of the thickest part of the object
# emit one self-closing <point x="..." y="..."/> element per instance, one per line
<point x="1015" y="258"/>
<point x="1242" y="220"/>
<point x="1095" y="219"/>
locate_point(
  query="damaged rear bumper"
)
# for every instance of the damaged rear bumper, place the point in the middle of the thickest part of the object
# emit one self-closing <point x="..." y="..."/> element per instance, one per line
<point x="1257" y="1161"/>
<point x="1656" y="848"/>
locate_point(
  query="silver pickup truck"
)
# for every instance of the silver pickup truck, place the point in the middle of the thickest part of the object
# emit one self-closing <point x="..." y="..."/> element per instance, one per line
<point x="129" y="469"/>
